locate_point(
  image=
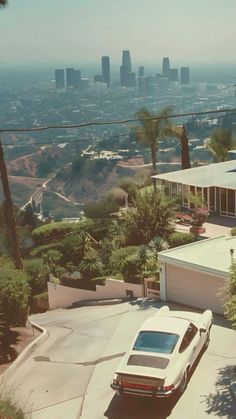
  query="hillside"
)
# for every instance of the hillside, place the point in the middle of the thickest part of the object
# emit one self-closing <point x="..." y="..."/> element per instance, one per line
<point x="88" y="179"/>
<point x="39" y="163"/>
<point x="22" y="188"/>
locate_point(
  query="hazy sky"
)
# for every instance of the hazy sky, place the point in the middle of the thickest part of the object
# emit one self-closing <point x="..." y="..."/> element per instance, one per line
<point x="80" y="31"/>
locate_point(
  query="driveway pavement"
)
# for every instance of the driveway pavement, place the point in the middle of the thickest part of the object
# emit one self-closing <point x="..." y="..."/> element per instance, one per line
<point x="68" y="375"/>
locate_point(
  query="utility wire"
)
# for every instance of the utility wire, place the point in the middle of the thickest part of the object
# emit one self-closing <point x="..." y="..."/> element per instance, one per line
<point x="62" y="141"/>
<point x="115" y="122"/>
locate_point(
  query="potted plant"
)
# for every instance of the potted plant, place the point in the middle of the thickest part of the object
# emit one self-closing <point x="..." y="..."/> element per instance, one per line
<point x="199" y="216"/>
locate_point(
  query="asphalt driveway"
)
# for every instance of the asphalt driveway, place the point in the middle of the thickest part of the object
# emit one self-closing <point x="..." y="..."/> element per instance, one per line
<point x="68" y="376"/>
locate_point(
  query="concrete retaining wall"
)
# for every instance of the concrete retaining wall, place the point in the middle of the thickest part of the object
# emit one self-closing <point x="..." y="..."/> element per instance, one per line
<point x="61" y="296"/>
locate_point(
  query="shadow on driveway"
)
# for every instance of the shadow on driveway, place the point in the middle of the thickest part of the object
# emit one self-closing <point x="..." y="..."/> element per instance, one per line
<point x="131" y="407"/>
<point x="126" y="407"/>
<point x="221" y="404"/>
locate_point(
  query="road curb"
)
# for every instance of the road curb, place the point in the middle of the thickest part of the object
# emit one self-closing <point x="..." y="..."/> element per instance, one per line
<point x="27" y="351"/>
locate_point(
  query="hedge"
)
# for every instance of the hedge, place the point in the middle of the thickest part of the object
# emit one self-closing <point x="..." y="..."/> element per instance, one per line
<point x="9" y="409"/>
<point x="53" y="231"/>
<point x="40" y="250"/>
<point x="179" y="239"/>
<point x="233" y="231"/>
<point x="14" y="291"/>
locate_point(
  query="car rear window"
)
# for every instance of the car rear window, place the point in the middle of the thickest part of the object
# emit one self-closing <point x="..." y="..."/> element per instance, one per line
<point x="156" y="342"/>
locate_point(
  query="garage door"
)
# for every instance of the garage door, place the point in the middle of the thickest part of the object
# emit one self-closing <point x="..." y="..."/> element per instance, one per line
<point x="194" y="288"/>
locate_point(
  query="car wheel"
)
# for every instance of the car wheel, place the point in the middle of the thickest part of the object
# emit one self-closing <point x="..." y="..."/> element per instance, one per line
<point x="184" y="382"/>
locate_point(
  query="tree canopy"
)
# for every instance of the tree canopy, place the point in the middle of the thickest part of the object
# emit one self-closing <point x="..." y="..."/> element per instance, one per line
<point x="230" y="306"/>
<point x="220" y="143"/>
<point x="151" y="131"/>
<point x="151" y="214"/>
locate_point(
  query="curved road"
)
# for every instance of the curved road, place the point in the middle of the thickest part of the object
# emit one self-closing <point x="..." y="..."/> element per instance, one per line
<point x="68" y="376"/>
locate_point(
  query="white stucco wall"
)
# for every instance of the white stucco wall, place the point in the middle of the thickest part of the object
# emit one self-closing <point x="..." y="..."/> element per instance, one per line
<point x="193" y="288"/>
<point x="61" y="296"/>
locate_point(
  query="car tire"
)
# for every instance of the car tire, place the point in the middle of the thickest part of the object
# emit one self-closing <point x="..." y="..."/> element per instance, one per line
<point x="184" y="382"/>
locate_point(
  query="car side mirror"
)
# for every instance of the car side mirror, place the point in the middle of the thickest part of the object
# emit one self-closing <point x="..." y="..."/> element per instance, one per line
<point x="202" y="330"/>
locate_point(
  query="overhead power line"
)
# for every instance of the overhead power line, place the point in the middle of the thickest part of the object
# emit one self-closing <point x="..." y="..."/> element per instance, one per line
<point x="115" y="122"/>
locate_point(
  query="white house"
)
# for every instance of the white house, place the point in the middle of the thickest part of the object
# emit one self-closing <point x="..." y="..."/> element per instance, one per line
<point x="195" y="274"/>
<point x="215" y="182"/>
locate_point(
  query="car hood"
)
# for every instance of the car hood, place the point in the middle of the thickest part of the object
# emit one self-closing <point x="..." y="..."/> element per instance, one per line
<point x="146" y="364"/>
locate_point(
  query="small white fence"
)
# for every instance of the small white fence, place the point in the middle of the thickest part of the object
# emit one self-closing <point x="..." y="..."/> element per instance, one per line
<point x="60" y="296"/>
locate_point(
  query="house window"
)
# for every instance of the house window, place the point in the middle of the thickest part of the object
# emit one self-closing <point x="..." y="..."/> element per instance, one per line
<point x="227" y="202"/>
<point x="185" y="196"/>
<point x="167" y="188"/>
<point x="205" y="196"/>
<point x="231" y="202"/>
<point x="223" y="201"/>
<point x="173" y="189"/>
<point x="212" y="198"/>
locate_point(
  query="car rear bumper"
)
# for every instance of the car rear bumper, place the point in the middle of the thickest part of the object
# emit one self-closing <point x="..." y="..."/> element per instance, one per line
<point x="141" y="392"/>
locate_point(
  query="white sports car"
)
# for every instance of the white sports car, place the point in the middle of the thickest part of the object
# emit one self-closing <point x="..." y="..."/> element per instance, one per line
<point x="162" y="353"/>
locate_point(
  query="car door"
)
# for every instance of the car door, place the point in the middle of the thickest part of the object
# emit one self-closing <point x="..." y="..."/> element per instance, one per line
<point x="191" y="344"/>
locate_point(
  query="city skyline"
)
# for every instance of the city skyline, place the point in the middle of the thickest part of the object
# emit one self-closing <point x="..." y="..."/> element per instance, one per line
<point x="72" y="78"/>
<point x="52" y="32"/>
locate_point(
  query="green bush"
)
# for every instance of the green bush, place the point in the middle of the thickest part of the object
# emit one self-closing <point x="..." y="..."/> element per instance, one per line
<point x="37" y="276"/>
<point x="100" y="209"/>
<point x="233" y="231"/>
<point x="118" y="260"/>
<point x="179" y="239"/>
<point x="40" y="303"/>
<point x="38" y="251"/>
<point x="14" y="291"/>
<point x="53" y="231"/>
<point x="9" y="409"/>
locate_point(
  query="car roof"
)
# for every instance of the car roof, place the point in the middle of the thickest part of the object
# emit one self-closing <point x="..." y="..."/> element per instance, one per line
<point x="165" y="324"/>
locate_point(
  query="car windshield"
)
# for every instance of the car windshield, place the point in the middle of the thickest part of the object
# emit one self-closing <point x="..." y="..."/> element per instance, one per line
<point x="161" y="342"/>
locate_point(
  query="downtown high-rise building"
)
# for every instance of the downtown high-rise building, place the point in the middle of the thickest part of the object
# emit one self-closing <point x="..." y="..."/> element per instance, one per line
<point x="141" y="71"/>
<point x="166" y="67"/>
<point x="106" y="74"/>
<point x="127" y="77"/>
<point x="184" y="75"/>
<point x="59" y="79"/>
<point x="70" y="77"/>
<point x="174" y="74"/>
<point x="77" y="79"/>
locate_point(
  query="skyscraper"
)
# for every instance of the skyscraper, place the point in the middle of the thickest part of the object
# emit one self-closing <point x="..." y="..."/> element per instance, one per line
<point x="106" y="75"/>
<point x="76" y="78"/>
<point x="69" y="77"/>
<point x="185" y="75"/>
<point x="174" y="74"/>
<point x="127" y="78"/>
<point x="165" y="67"/>
<point x="141" y="71"/>
<point x="59" y="79"/>
<point x="126" y="61"/>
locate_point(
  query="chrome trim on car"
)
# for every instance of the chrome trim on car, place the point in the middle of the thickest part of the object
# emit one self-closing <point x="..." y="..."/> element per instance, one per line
<point x="141" y="392"/>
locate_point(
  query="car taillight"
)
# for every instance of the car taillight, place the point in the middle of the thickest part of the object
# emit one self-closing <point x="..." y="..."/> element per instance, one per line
<point x="140" y="386"/>
<point x="116" y="381"/>
<point x="168" y="388"/>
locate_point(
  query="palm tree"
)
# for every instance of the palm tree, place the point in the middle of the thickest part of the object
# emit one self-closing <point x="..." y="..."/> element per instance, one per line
<point x="152" y="130"/>
<point x="3" y="3"/>
<point x="180" y="132"/>
<point x="91" y="265"/>
<point x="150" y="214"/>
<point x="220" y="143"/>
